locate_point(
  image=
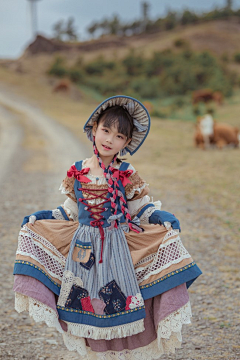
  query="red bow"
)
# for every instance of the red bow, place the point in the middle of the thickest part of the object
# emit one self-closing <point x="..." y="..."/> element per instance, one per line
<point x="79" y="175"/>
<point x="122" y="175"/>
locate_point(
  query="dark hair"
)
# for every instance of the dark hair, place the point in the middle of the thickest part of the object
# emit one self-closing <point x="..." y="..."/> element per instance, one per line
<point x="119" y="117"/>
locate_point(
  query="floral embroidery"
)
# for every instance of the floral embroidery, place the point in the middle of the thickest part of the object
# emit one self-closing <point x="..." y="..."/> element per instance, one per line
<point x="117" y="305"/>
<point x="106" y="290"/>
<point x="134" y="302"/>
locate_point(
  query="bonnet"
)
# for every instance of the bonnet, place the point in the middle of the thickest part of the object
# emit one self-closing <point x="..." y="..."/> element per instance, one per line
<point x="138" y="112"/>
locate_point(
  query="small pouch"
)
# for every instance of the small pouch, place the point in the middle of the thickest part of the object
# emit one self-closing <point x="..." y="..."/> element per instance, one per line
<point x="113" y="297"/>
<point x="82" y="251"/>
<point x="90" y="262"/>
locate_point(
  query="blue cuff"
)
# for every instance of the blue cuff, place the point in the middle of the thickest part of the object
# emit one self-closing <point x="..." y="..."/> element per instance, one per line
<point x="63" y="212"/>
<point x="144" y="209"/>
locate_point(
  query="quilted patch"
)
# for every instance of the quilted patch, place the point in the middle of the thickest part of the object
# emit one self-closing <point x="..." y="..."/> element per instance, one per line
<point x="74" y="298"/>
<point x="113" y="297"/>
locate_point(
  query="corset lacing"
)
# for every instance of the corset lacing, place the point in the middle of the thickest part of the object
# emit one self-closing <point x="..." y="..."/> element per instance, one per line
<point x="96" y="222"/>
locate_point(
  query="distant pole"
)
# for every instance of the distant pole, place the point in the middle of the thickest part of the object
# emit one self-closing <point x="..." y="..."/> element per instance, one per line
<point x="145" y="13"/>
<point x="229" y="4"/>
<point x="33" y="9"/>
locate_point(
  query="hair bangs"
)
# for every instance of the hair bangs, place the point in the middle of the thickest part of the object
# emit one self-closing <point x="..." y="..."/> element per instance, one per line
<point x="118" y="117"/>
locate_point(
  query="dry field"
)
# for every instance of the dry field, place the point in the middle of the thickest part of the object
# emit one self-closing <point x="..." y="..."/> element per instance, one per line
<point x="200" y="187"/>
<point x="168" y="159"/>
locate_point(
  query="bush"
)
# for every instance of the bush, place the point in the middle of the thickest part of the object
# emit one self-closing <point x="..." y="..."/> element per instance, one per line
<point x="159" y="114"/>
<point x="146" y="88"/>
<point x="163" y="74"/>
<point x="105" y="87"/>
<point x="98" y="66"/>
<point x="76" y="75"/>
<point x="58" y="68"/>
<point x="236" y="57"/>
<point x="133" y="63"/>
<point x="225" y="57"/>
<point x="179" y="43"/>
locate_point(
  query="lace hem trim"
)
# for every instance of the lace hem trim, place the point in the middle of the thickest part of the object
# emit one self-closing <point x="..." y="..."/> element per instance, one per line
<point x="168" y="333"/>
<point x="168" y="340"/>
<point x="173" y="322"/>
<point x="37" y="310"/>
<point x="108" y="333"/>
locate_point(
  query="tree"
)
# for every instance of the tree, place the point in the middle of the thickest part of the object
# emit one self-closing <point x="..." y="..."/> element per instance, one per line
<point x="70" y="30"/>
<point x="58" y="30"/>
<point x="188" y="17"/>
<point x="93" y="28"/>
<point x="114" y="25"/>
<point x="62" y="31"/>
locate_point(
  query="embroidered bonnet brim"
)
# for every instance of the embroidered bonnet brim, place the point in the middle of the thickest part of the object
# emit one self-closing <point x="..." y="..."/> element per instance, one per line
<point x="140" y="116"/>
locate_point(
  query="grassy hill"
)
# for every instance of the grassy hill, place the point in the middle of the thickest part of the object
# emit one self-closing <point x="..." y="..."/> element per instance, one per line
<point x="181" y="46"/>
<point x="221" y="38"/>
<point x="168" y="159"/>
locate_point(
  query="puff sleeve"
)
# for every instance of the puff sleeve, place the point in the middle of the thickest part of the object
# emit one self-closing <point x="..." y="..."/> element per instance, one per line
<point x="138" y="200"/>
<point x="70" y="204"/>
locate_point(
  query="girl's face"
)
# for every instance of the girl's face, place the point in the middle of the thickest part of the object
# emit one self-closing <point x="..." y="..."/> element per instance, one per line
<point x="108" y="140"/>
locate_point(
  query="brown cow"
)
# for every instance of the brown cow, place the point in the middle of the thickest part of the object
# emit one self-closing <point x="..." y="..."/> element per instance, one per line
<point x="207" y="95"/>
<point x="62" y="86"/>
<point x="223" y="134"/>
<point x="218" y="97"/>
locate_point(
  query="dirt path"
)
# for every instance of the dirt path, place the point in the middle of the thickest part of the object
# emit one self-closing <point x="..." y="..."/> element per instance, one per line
<point x="31" y="170"/>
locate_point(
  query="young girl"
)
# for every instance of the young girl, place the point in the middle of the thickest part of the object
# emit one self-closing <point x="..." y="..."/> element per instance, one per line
<point x="107" y="269"/>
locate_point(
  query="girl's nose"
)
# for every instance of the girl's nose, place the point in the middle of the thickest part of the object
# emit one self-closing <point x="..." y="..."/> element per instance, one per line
<point x="109" y="139"/>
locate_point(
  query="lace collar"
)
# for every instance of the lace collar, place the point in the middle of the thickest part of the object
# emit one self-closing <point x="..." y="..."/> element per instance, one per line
<point x="96" y="179"/>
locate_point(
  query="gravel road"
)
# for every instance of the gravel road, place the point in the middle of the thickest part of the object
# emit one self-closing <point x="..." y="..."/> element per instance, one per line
<point x="35" y="154"/>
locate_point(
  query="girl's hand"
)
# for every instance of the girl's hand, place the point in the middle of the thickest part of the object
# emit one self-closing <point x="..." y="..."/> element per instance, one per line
<point x="32" y="219"/>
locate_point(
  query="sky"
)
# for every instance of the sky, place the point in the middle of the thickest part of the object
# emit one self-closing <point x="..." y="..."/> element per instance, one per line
<point x="15" y="20"/>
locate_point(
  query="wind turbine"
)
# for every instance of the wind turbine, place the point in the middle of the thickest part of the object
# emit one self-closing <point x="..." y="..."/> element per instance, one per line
<point x="33" y="9"/>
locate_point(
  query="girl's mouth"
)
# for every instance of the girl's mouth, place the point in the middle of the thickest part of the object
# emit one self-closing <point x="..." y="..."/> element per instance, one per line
<point x="106" y="147"/>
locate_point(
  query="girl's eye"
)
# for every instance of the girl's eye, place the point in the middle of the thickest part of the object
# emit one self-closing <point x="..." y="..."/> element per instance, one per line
<point x="105" y="130"/>
<point x="120" y="137"/>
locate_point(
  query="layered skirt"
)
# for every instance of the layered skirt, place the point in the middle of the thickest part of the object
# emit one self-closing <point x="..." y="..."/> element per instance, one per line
<point x="130" y="305"/>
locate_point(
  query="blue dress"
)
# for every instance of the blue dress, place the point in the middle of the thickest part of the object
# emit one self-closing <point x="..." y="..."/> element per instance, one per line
<point x="99" y="269"/>
<point x="103" y="276"/>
